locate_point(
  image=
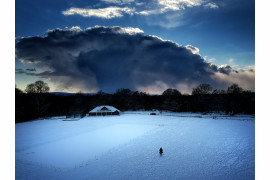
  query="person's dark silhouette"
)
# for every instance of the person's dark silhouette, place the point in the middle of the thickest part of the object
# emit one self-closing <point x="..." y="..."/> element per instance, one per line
<point x="160" y="151"/>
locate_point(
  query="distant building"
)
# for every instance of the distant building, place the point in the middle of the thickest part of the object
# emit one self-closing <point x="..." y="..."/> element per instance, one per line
<point x="104" y="110"/>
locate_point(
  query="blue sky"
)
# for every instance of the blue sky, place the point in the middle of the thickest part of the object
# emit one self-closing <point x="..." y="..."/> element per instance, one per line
<point x="223" y="31"/>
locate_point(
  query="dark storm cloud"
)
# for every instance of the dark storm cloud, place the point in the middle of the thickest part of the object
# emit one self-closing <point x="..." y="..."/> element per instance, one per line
<point x="108" y="58"/>
<point x="31" y="69"/>
<point x="22" y="71"/>
<point x="226" y="69"/>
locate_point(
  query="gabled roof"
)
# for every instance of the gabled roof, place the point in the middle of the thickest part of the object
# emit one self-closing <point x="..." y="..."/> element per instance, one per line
<point x="104" y="108"/>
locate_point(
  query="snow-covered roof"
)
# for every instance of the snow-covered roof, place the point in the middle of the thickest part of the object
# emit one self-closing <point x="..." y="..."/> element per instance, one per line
<point x="104" y="108"/>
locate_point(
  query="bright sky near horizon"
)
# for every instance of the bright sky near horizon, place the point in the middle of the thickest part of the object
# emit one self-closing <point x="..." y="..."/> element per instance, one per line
<point x="110" y="44"/>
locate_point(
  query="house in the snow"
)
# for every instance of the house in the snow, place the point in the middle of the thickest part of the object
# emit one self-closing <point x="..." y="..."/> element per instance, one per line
<point x="104" y="110"/>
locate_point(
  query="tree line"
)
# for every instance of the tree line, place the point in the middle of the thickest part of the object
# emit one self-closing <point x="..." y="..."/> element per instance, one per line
<point x="37" y="102"/>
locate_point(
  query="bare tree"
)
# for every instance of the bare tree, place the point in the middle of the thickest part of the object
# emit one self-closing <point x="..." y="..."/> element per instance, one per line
<point x="202" y="89"/>
<point x="42" y="87"/>
<point x="234" y="89"/>
<point x="219" y="91"/>
<point x="124" y="92"/>
<point x="37" y="87"/>
<point x="38" y="96"/>
<point x="171" y="92"/>
<point x="31" y="88"/>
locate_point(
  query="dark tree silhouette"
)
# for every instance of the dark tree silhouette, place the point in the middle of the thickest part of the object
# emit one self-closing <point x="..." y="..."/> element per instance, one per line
<point x="29" y="106"/>
<point x="219" y="91"/>
<point x="38" y="96"/>
<point x="101" y="93"/>
<point x="31" y="88"/>
<point x="202" y="89"/>
<point x="37" y="87"/>
<point x="18" y="91"/>
<point x="123" y="91"/>
<point x="171" y="92"/>
<point x="42" y="87"/>
<point x="234" y="89"/>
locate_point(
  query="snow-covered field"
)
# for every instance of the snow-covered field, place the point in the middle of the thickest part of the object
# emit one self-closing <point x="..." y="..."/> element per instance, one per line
<point x="196" y="146"/>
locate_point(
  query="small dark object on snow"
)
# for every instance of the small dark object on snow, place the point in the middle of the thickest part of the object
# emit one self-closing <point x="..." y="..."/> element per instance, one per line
<point x="153" y="114"/>
<point x="160" y="151"/>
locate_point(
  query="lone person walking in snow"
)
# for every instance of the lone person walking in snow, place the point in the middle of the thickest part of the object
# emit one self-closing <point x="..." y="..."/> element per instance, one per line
<point x="160" y="151"/>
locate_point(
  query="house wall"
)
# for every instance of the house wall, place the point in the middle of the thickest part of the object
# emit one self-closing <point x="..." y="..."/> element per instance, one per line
<point x="116" y="113"/>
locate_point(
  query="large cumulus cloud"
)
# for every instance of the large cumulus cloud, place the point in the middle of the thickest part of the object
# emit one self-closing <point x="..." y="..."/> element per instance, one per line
<point x="108" y="58"/>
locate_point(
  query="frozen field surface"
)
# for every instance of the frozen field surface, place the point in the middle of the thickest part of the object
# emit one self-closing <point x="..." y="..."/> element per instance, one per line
<point x="195" y="146"/>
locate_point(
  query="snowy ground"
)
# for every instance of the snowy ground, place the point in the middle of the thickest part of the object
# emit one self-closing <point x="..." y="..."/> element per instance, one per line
<point x="196" y="146"/>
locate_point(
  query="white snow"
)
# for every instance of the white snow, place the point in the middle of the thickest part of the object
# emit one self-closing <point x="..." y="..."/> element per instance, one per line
<point x="71" y="151"/>
<point x="195" y="146"/>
